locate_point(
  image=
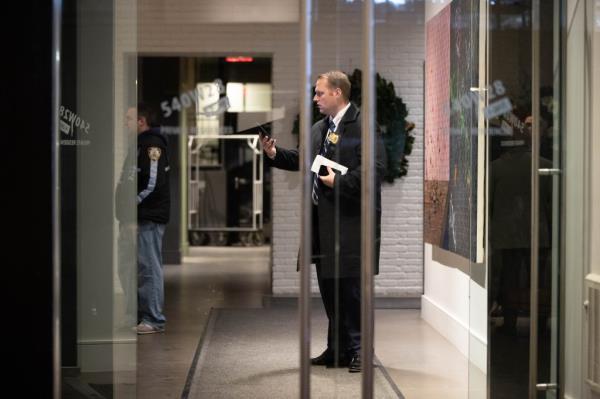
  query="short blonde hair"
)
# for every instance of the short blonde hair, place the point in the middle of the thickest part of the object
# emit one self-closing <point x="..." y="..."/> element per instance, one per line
<point x="338" y="80"/>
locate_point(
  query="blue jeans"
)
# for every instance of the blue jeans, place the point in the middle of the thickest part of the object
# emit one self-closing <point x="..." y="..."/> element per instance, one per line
<point x="151" y="292"/>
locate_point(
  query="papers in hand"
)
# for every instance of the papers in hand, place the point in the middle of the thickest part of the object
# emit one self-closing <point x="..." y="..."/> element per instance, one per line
<point x="322" y="161"/>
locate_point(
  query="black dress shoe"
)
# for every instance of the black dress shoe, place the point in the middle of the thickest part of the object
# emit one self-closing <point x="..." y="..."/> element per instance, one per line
<point x="323" y="359"/>
<point x="355" y="364"/>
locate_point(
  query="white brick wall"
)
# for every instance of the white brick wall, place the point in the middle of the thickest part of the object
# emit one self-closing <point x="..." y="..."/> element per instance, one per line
<point x="336" y="44"/>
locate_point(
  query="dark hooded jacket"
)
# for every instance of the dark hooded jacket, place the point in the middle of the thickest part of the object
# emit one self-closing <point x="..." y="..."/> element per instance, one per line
<point x="153" y="196"/>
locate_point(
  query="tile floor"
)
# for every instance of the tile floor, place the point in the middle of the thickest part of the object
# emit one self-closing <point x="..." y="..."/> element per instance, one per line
<point x="422" y="363"/>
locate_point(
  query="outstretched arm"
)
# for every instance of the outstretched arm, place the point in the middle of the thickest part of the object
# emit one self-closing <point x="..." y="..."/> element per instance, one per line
<point x="278" y="157"/>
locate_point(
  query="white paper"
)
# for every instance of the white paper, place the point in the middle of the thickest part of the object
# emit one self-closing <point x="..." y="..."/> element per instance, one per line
<point x="322" y="161"/>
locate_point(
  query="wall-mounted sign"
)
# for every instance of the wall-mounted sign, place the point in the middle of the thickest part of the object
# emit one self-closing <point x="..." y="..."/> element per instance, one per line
<point x="206" y="96"/>
<point x="70" y="124"/>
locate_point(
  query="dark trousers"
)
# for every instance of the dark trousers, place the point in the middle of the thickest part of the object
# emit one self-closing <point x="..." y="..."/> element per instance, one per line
<point x="514" y="284"/>
<point x="341" y="298"/>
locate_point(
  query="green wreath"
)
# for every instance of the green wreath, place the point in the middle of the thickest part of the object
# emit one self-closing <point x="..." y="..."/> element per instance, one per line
<point x="391" y="120"/>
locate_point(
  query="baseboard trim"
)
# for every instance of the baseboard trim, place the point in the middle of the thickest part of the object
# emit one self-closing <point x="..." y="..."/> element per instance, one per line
<point x="446" y="324"/>
<point x="455" y="331"/>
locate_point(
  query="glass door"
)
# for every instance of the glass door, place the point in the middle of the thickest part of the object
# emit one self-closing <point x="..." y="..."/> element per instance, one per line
<point x="524" y="187"/>
<point x="546" y="199"/>
<point x="97" y="199"/>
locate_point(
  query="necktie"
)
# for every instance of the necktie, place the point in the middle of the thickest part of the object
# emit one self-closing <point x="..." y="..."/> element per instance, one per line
<point x="322" y="152"/>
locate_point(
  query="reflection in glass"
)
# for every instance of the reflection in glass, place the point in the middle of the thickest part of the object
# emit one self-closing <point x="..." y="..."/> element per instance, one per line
<point x="125" y="213"/>
<point x="97" y="208"/>
<point x="510" y="204"/>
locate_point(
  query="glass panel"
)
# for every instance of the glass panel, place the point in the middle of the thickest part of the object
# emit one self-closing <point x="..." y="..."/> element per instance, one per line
<point x="337" y="212"/>
<point x="97" y="205"/>
<point x="510" y="192"/>
<point x="454" y="170"/>
<point x="399" y="88"/>
<point x="222" y="188"/>
<point x="510" y="225"/>
<point x="336" y="136"/>
<point x="510" y="199"/>
<point x="550" y="197"/>
<point x="465" y="198"/>
<point x="219" y="118"/>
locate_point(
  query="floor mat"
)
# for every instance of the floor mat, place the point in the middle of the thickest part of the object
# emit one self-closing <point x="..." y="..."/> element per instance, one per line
<point x="254" y="353"/>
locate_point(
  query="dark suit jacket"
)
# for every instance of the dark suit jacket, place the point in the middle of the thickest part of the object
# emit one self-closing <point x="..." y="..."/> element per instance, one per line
<point x="336" y="246"/>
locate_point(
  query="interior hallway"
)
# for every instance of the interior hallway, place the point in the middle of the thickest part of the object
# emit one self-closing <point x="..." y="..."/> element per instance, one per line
<point x="421" y="363"/>
<point x="209" y="277"/>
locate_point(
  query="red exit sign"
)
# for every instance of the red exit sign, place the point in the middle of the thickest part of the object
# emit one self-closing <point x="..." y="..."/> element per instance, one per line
<point x="239" y="59"/>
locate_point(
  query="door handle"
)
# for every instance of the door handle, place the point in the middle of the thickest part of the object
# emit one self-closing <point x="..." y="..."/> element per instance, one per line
<point x="549" y="172"/>
<point x="546" y="387"/>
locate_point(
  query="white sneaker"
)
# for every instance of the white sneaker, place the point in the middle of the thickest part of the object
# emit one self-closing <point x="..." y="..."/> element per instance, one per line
<point x="144" y="328"/>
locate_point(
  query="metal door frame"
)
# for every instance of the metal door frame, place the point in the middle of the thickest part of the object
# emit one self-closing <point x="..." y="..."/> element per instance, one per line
<point x="536" y="172"/>
<point x="57" y="8"/>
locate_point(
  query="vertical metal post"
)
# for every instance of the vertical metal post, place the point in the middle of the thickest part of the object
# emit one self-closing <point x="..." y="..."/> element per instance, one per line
<point x="535" y="149"/>
<point x="488" y="148"/>
<point x="254" y="193"/>
<point x="56" y="301"/>
<point x="306" y="211"/>
<point x="367" y="200"/>
<point x="563" y="209"/>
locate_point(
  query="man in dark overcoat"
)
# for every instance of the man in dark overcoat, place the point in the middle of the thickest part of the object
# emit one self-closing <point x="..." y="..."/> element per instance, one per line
<point x="336" y="215"/>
